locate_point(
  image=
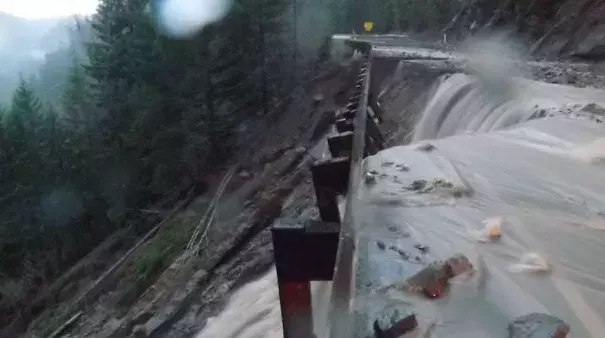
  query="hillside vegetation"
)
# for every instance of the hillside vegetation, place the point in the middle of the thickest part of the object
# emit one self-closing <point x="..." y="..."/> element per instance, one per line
<point x="139" y="118"/>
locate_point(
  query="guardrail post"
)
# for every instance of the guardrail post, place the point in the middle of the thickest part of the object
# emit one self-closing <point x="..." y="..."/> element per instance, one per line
<point x="296" y="309"/>
<point x="330" y="179"/>
<point x="303" y="252"/>
<point x="340" y="145"/>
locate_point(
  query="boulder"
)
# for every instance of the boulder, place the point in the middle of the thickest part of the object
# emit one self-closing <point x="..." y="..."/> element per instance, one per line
<point x="393" y="322"/>
<point x="538" y="325"/>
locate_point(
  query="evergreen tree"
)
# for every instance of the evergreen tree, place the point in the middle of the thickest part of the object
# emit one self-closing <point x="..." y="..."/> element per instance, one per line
<point x="77" y="106"/>
<point x="25" y="109"/>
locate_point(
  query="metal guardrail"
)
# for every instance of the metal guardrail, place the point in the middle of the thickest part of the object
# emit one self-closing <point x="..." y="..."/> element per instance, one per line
<point x="324" y="250"/>
<point x="344" y="274"/>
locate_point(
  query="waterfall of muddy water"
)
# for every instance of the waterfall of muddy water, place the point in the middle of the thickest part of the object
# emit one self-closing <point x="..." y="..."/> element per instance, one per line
<point x="253" y="311"/>
<point x="492" y="95"/>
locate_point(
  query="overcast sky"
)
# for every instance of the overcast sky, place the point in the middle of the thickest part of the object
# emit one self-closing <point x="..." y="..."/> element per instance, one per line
<point x="37" y="9"/>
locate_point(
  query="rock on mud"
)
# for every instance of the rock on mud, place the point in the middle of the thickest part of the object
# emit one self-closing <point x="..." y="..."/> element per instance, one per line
<point x="426" y="147"/>
<point x="594" y="108"/>
<point x="393" y="323"/>
<point x="402" y="167"/>
<point x="422" y="248"/>
<point x="417" y="185"/>
<point x="443" y="183"/>
<point x="459" y="264"/>
<point x="538" y="325"/>
<point x="370" y="177"/>
<point x="433" y="280"/>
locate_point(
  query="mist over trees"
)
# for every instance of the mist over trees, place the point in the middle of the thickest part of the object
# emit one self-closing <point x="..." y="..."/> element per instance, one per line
<point x="125" y="116"/>
<point x="31" y="48"/>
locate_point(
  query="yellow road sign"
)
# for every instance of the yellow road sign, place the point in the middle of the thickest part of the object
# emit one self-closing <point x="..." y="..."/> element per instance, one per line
<point x="368" y="25"/>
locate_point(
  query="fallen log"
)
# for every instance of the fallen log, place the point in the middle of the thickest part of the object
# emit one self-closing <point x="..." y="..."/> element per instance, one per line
<point x="66" y="325"/>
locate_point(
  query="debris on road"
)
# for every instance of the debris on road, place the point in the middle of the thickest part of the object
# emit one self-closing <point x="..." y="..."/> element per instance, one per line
<point x="402" y="167"/>
<point x="538" y="325"/>
<point x="442" y="183"/>
<point x="370" y="177"/>
<point x="531" y="262"/>
<point x="491" y="232"/>
<point x="432" y="281"/>
<point x="417" y="185"/>
<point x="426" y="147"/>
<point x="459" y="264"/>
<point x="423" y="186"/>
<point x="594" y="108"/>
<point x="393" y="323"/>
<point x="380" y="245"/>
<point x="422" y="248"/>
<point x="403" y="254"/>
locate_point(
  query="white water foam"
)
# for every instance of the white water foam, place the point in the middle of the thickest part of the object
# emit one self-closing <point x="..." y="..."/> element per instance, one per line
<point x="253" y="311"/>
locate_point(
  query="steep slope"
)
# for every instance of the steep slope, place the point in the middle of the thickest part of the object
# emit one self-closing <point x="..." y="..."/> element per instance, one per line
<point x="556" y="28"/>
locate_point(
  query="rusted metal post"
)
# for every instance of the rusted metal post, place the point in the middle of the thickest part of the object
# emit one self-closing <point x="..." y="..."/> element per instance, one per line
<point x="296" y="310"/>
<point x="303" y="252"/>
